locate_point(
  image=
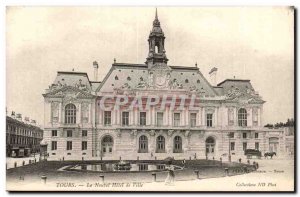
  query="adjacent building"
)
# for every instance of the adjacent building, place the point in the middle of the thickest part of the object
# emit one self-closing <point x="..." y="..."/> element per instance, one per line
<point x="225" y="118"/>
<point x="22" y="137"/>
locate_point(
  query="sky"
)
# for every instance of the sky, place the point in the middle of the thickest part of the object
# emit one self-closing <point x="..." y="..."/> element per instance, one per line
<point x="255" y="43"/>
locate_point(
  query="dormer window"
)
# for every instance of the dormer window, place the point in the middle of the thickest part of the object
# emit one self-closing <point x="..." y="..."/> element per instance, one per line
<point x="128" y="78"/>
<point x="116" y="77"/>
<point x="186" y="81"/>
<point x="198" y="81"/>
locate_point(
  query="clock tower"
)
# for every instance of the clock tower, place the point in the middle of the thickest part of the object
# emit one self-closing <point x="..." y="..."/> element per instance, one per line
<point x="156" y="41"/>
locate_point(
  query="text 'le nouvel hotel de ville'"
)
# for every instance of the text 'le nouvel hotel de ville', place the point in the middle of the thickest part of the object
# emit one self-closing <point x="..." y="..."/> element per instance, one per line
<point x="226" y="118"/>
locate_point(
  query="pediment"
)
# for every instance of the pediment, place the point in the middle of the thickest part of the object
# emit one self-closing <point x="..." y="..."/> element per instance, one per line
<point x="69" y="92"/>
<point x="235" y="95"/>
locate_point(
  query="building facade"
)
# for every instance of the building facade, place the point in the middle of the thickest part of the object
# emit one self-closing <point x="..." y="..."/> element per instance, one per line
<point x="22" y="137"/>
<point x="154" y="110"/>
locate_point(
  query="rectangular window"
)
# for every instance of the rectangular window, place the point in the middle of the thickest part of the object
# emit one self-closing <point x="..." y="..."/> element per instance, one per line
<point x="69" y="145"/>
<point x="143" y="118"/>
<point x="84" y="145"/>
<point x="231" y="135"/>
<point x="54" y="133"/>
<point x="193" y="119"/>
<point x="107" y="118"/>
<point x="84" y="133"/>
<point x="176" y="120"/>
<point x="69" y="133"/>
<point x="143" y="167"/>
<point x="125" y="118"/>
<point x="244" y="146"/>
<point x="232" y="145"/>
<point x="209" y="120"/>
<point x="159" y="118"/>
<point x="256" y="135"/>
<point x="54" y="145"/>
<point x="244" y="135"/>
<point x="257" y="145"/>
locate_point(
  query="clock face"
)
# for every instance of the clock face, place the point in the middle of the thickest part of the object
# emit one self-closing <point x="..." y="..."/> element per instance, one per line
<point x="160" y="80"/>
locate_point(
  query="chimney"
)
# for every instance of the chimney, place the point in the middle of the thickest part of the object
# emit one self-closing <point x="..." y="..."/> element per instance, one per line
<point x="33" y="122"/>
<point x="13" y="114"/>
<point x="26" y="120"/>
<point x="19" y="117"/>
<point x="95" y="65"/>
<point x="213" y="76"/>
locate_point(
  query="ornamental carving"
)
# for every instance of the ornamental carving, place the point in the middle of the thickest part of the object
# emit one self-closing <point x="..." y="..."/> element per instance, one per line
<point x="255" y="116"/>
<point x="234" y="92"/>
<point x="133" y="133"/>
<point x="175" y="85"/>
<point x="119" y="134"/>
<point x="248" y="96"/>
<point x="85" y="112"/>
<point x="142" y="83"/>
<point x="81" y="86"/>
<point x="152" y="132"/>
<point x="230" y="116"/>
<point x="125" y="89"/>
<point x="187" y="133"/>
<point x="55" y="111"/>
<point x="170" y="132"/>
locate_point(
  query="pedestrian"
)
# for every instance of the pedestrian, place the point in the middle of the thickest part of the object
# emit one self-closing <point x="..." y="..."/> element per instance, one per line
<point x="171" y="175"/>
<point x="183" y="163"/>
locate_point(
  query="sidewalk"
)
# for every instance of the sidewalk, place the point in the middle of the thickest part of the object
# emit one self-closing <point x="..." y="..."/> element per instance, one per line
<point x="10" y="161"/>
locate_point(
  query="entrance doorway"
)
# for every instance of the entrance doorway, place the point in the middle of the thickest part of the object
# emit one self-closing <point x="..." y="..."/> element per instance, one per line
<point x="274" y="144"/>
<point x="210" y="145"/>
<point x="107" y="145"/>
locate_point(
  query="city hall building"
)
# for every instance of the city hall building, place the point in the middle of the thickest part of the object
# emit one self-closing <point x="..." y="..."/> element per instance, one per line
<point x="82" y="120"/>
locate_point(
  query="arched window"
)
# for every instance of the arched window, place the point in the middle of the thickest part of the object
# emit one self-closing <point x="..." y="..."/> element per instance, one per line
<point x="177" y="144"/>
<point x="156" y="49"/>
<point x="70" y="114"/>
<point x="143" y="144"/>
<point x="107" y="144"/>
<point x="242" y="117"/>
<point x="210" y="146"/>
<point x="160" y="144"/>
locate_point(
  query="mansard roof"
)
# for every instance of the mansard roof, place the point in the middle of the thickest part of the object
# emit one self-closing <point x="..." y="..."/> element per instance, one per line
<point x="78" y="80"/>
<point x="129" y="75"/>
<point x="241" y="84"/>
<point x="72" y="78"/>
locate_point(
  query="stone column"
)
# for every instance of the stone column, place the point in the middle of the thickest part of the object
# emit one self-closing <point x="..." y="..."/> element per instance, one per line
<point x="152" y="140"/>
<point x="90" y="113"/>
<point x="78" y="118"/>
<point x="60" y="112"/>
<point x="203" y="116"/>
<point x="169" y="142"/>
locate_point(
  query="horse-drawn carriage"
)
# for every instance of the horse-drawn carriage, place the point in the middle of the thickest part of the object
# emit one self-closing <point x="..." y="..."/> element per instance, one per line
<point x="269" y="154"/>
<point x="253" y="153"/>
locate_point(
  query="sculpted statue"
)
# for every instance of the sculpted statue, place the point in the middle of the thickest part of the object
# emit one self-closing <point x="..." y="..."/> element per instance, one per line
<point x="142" y="83"/>
<point x="176" y="85"/>
<point x="193" y="89"/>
<point x="125" y="86"/>
<point x="233" y="93"/>
<point x="150" y="79"/>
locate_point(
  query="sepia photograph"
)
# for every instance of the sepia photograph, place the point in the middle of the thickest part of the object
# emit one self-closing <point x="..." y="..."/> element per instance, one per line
<point x="150" y="99"/>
